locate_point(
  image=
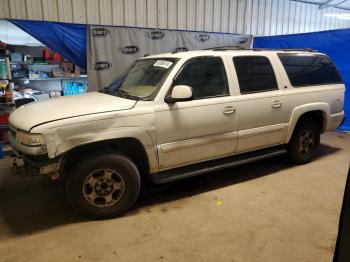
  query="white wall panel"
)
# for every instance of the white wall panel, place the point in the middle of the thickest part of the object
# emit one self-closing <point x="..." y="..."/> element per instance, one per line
<point x="191" y="15"/>
<point x="65" y="10"/>
<point x="216" y="16"/>
<point x="248" y="10"/>
<point x="18" y="9"/>
<point x="172" y="14"/>
<point x="225" y="16"/>
<point x="79" y="11"/>
<point x="152" y="17"/>
<point x="208" y="15"/>
<point x="92" y="12"/>
<point x="130" y="12"/>
<point x="256" y="17"/>
<point x="181" y="15"/>
<point x="240" y="21"/>
<point x="34" y="9"/>
<point x="232" y="17"/>
<point x="106" y="12"/>
<point x="118" y="12"/>
<point x="261" y="17"/>
<point x="4" y="9"/>
<point x="50" y="10"/>
<point x="141" y="13"/>
<point x="200" y="5"/>
<point x="267" y="18"/>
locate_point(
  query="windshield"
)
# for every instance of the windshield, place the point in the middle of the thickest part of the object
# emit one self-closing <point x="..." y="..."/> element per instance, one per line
<point x="144" y="78"/>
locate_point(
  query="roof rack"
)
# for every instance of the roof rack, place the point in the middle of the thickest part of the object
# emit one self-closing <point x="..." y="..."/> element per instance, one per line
<point x="286" y="49"/>
<point x="227" y="48"/>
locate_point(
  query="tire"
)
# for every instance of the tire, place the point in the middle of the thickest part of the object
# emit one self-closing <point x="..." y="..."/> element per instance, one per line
<point x="104" y="185"/>
<point x="304" y="142"/>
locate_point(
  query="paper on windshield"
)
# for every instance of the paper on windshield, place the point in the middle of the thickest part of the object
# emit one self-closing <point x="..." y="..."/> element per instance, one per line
<point x="163" y="63"/>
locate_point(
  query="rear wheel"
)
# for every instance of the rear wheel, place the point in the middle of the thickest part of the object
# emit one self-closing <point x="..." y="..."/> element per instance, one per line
<point x="104" y="185"/>
<point x="304" y="142"/>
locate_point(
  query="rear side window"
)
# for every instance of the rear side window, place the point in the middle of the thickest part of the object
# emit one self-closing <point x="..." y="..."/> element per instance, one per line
<point x="305" y="70"/>
<point x="255" y="74"/>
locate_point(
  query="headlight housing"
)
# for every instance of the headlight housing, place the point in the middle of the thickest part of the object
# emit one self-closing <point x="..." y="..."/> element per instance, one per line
<point x="29" y="139"/>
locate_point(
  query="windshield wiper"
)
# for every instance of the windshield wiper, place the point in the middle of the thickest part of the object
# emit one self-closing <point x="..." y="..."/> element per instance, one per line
<point x="124" y="94"/>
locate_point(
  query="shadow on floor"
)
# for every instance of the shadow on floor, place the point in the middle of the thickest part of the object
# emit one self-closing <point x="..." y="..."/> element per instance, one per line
<point x="28" y="205"/>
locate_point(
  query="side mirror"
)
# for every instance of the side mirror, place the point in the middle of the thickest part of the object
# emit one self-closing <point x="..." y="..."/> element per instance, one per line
<point x="179" y="93"/>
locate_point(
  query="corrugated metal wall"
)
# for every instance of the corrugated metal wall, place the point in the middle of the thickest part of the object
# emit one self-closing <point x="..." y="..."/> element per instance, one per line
<point x="256" y="17"/>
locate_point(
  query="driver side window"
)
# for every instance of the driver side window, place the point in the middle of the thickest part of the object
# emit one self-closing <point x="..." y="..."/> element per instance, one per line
<point x="206" y="76"/>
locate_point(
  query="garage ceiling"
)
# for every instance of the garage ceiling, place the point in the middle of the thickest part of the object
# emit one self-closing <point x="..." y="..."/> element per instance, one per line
<point x="255" y="17"/>
<point x="341" y="4"/>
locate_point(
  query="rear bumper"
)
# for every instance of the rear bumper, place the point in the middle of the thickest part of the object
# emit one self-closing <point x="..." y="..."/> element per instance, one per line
<point x="335" y="120"/>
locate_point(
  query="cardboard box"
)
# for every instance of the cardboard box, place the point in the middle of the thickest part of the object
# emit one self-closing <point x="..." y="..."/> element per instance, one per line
<point x="68" y="67"/>
<point x="57" y="72"/>
<point x="76" y="71"/>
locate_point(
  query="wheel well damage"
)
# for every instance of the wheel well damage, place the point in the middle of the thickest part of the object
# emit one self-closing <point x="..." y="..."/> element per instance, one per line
<point x="130" y="147"/>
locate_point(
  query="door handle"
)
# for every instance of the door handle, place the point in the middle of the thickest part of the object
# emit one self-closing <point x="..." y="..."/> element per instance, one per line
<point x="276" y="103"/>
<point x="229" y="110"/>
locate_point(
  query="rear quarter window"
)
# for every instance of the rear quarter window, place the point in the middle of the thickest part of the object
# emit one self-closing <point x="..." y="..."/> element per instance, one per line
<point x="308" y="70"/>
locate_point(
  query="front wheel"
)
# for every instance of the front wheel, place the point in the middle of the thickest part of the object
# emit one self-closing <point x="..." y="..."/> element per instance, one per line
<point x="104" y="185"/>
<point x="304" y="142"/>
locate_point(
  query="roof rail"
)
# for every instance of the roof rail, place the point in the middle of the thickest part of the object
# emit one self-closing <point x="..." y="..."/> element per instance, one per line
<point x="286" y="49"/>
<point x="224" y="48"/>
<point x="227" y="48"/>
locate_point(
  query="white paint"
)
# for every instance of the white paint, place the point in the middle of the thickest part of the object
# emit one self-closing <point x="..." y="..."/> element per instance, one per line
<point x="181" y="133"/>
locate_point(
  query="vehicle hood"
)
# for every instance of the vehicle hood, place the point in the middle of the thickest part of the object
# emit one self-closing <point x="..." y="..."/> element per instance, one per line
<point x="36" y="113"/>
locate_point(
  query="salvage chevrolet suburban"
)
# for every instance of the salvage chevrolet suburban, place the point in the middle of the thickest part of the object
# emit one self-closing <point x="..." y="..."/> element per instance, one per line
<point x="178" y="115"/>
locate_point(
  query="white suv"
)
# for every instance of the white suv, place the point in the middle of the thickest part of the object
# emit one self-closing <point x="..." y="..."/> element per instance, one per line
<point x="178" y="115"/>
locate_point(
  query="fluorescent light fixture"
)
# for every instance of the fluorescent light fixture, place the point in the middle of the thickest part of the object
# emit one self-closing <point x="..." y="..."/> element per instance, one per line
<point x="339" y="16"/>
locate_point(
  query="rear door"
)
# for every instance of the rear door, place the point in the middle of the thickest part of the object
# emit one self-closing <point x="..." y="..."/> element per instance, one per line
<point x="259" y="106"/>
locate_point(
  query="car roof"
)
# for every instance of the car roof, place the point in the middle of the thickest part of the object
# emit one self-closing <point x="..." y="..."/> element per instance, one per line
<point x="236" y="51"/>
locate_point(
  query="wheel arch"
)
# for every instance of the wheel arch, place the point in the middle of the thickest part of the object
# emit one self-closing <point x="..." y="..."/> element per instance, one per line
<point x="318" y="111"/>
<point x="128" y="146"/>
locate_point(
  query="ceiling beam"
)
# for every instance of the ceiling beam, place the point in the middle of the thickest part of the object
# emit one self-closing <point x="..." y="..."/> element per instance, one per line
<point x="326" y="4"/>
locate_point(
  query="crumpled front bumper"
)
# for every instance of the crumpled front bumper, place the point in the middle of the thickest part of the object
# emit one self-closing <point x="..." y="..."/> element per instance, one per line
<point x="32" y="160"/>
<point x="24" y="165"/>
<point x="28" y="150"/>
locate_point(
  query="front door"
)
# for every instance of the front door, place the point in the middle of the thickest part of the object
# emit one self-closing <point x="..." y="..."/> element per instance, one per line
<point x="203" y="128"/>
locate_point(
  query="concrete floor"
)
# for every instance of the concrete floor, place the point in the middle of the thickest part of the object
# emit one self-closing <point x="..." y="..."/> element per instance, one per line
<point x="266" y="211"/>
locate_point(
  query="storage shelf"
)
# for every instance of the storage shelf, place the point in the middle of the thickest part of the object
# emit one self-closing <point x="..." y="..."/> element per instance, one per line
<point x="39" y="63"/>
<point x="51" y="78"/>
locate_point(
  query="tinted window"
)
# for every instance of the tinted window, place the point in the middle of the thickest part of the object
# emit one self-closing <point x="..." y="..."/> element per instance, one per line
<point x="309" y="70"/>
<point x="206" y="76"/>
<point x="255" y="74"/>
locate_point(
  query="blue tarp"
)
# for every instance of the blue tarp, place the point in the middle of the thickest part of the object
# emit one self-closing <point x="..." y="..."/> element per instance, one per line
<point x="334" y="43"/>
<point x="69" y="40"/>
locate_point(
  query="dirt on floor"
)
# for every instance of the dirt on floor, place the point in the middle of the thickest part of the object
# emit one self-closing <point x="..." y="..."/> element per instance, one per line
<point x="265" y="211"/>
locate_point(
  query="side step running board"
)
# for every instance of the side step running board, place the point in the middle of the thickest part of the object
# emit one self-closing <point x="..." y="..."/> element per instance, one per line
<point x="214" y="165"/>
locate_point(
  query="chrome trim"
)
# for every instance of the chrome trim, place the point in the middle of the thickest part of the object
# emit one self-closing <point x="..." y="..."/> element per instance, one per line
<point x="29" y="150"/>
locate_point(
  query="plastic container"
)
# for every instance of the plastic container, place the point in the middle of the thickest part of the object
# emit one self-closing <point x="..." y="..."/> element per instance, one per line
<point x="4" y="119"/>
<point x="3" y="135"/>
<point x="1" y="151"/>
<point x="3" y="73"/>
<point x="16" y="57"/>
<point x="74" y="88"/>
